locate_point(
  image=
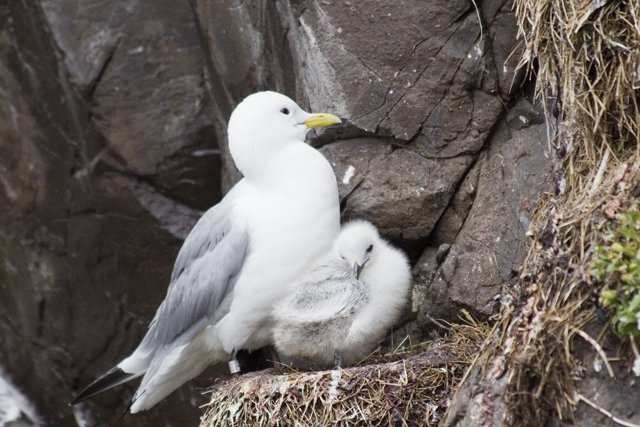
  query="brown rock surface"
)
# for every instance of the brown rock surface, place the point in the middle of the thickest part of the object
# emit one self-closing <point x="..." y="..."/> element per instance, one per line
<point x="405" y="193"/>
<point x="86" y="245"/>
<point x="488" y="249"/>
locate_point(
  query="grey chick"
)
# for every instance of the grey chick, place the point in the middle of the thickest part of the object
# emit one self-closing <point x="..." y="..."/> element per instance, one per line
<point x="346" y="301"/>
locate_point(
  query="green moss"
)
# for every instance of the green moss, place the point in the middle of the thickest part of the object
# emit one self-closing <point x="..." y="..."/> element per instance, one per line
<point x="618" y="266"/>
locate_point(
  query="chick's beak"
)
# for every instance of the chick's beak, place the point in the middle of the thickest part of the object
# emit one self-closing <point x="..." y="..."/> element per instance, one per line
<point x="321" y="119"/>
<point x="357" y="268"/>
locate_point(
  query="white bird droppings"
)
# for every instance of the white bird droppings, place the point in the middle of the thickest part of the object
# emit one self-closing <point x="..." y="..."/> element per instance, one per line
<point x="139" y="49"/>
<point x="348" y="175"/>
<point x="478" y="52"/>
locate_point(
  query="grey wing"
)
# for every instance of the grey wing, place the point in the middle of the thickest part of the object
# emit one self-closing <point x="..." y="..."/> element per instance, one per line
<point x="203" y="276"/>
<point x="327" y="293"/>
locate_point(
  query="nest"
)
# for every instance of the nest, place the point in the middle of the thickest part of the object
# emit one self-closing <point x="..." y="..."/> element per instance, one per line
<point x="586" y="55"/>
<point x="408" y="387"/>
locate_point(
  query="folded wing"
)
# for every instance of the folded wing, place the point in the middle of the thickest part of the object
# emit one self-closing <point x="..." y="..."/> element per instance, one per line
<point x="199" y="294"/>
<point x="327" y="293"/>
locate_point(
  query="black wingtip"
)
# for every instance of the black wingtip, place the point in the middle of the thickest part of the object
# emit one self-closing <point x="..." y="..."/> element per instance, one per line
<point x="133" y="399"/>
<point x="111" y="379"/>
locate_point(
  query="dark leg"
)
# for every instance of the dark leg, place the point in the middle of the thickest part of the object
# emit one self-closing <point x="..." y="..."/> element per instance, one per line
<point x="272" y="355"/>
<point x="234" y="366"/>
<point x="337" y="358"/>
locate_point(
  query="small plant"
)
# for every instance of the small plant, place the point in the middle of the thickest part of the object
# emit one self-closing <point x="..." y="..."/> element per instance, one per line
<point x="618" y="266"/>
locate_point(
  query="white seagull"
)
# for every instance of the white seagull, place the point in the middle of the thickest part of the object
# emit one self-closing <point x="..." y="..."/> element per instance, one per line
<point x="242" y="255"/>
<point x="345" y="302"/>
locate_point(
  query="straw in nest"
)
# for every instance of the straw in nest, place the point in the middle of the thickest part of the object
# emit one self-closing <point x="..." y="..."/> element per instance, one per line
<point x="412" y="390"/>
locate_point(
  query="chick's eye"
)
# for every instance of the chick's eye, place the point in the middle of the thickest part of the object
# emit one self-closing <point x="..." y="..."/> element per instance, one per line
<point x="285" y="111"/>
<point x="370" y="248"/>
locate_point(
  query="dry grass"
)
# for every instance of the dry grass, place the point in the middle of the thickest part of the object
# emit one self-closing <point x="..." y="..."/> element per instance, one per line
<point x="408" y="387"/>
<point x="553" y="299"/>
<point x="587" y="55"/>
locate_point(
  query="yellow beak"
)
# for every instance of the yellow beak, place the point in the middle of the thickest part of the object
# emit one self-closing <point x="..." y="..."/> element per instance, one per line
<point x="321" y="119"/>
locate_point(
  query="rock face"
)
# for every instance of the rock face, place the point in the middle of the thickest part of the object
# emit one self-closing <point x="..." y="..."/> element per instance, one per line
<point x="113" y="140"/>
<point x="490" y="243"/>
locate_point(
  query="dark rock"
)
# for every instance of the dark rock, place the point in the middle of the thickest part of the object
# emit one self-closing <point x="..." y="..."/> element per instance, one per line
<point x="460" y="124"/>
<point x="423" y="274"/>
<point x="617" y="396"/>
<point x="443" y="250"/>
<point x="502" y="30"/>
<point x="491" y="244"/>
<point x="418" y="85"/>
<point x="452" y="220"/>
<point x="352" y="159"/>
<point x="145" y="83"/>
<point x="401" y="192"/>
<point x="524" y="114"/>
<point x="86" y="247"/>
<point x="404" y="194"/>
<point x="233" y="40"/>
<point x="483" y="405"/>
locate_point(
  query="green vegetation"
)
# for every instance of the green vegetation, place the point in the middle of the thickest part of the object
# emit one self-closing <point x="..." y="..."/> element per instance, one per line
<point x="618" y="266"/>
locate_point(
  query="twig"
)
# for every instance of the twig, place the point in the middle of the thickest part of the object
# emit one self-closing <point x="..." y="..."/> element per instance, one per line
<point x="479" y="17"/>
<point x="497" y="167"/>
<point x="606" y="413"/>
<point x="402" y="343"/>
<point x="633" y="346"/>
<point x="438" y="323"/>
<point x="597" y="347"/>
<point x="603" y="167"/>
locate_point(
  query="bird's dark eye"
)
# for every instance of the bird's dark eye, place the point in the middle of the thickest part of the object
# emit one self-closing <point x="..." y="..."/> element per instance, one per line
<point x="285" y="111"/>
<point x="342" y="257"/>
<point x="370" y="248"/>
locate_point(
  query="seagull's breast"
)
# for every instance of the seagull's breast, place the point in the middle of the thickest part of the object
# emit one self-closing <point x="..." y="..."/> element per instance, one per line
<point x="291" y="222"/>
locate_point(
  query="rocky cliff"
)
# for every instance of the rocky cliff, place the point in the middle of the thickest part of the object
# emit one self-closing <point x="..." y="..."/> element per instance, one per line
<point x="113" y="141"/>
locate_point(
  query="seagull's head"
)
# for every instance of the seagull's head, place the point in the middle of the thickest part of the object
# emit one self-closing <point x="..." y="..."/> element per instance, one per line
<point x="358" y="244"/>
<point x="266" y="121"/>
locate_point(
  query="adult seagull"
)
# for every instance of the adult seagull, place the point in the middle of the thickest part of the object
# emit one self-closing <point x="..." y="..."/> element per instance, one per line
<point x="240" y="257"/>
